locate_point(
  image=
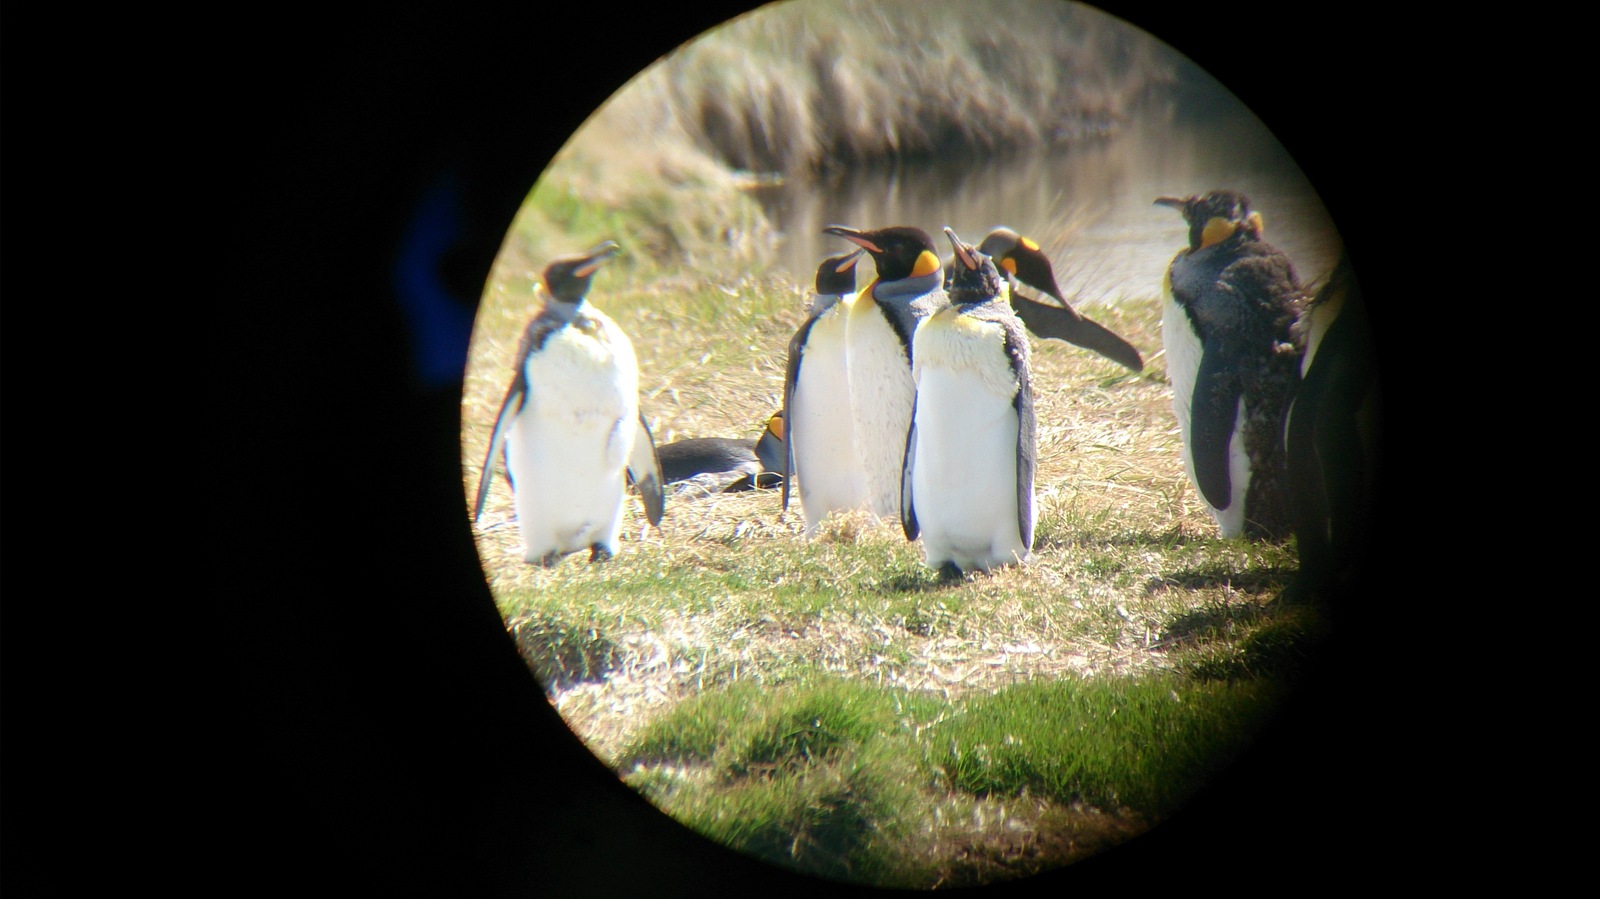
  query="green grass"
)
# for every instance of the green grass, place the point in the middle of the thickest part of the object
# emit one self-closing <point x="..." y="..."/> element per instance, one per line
<point x="1143" y="745"/>
<point x="844" y="779"/>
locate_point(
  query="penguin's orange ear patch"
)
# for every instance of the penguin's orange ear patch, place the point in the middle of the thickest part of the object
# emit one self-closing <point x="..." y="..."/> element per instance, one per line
<point x="1028" y="242"/>
<point x="927" y="264"/>
<point x="775" y="425"/>
<point x="1217" y="230"/>
<point x="1009" y="265"/>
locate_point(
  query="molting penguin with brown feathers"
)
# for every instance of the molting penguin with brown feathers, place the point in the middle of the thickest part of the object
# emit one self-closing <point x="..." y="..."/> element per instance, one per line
<point x="1230" y="299"/>
<point x="1023" y="262"/>
<point x="970" y="457"/>
<point x="569" y="428"/>
<point x="882" y="321"/>
<point x="822" y="461"/>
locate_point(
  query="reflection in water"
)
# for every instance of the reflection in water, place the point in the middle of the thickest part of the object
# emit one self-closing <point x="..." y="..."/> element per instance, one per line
<point x="1090" y="206"/>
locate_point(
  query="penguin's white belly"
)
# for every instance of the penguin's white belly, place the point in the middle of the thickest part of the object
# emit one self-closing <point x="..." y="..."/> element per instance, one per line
<point x="1183" y="351"/>
<point x="1183" y="362"/>
<point x="567" y="451"/>
<point x="827" y="465"/>
<point x="964" y="471"/>
<point x="1231" y="520"/>
<point x="881" y="393"/>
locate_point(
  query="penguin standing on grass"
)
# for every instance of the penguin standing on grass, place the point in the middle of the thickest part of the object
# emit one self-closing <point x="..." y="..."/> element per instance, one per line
<point x="820" y="429"/>
<point x="1332" y="437"/>
<point x="1230" y="301"/>
<point x="879" y="330"/>
<point x="569" y="429"/>
<point x="1022" y="261"/>
<point x="970" y="456"/>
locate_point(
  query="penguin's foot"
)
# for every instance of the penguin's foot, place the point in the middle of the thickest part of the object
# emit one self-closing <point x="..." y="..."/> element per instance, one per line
<point x="598" y="553"/>
<point x="548" y="560"/>
<point x="950" y="572"/>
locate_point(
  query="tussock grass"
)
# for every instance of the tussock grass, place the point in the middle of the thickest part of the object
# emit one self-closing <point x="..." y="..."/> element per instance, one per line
<point x="803" y="90"/>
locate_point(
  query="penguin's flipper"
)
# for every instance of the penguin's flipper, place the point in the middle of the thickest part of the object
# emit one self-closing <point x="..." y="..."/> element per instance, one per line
<point x="644" y="472"/>
<point x="516" y="397"/>
<point x="1065" y="323"/>
<point x="908" y="510"/>
<point x="1027" y="444"/>
<point x="1212" y="413"/>
<point x="791" y="377"/>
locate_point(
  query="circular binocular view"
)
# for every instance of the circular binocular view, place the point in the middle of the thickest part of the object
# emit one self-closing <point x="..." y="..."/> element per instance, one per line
<point x="916" y="443"/>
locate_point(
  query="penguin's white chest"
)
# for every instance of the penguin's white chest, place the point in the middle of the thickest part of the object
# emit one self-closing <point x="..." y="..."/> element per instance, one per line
<point x="567" y="450"/>
<point x="964" y="471"/>
<point x="881" y="392"/>
<point x="828" y="467"/>
<point x="1182" y="347"/>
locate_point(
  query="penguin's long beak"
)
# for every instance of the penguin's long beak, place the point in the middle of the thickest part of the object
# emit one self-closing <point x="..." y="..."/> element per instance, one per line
<point x="857" y="237"/>
<point x="596" y="258"/>
<point x="849" y="262"/>
<point x="964" y="252"/>
<point x="1174" y="202"/>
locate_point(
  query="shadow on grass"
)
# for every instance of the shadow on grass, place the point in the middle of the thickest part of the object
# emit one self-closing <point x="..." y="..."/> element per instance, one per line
<point x="1241" y="642"/>
<point x="1171" y="538"/>
<point x="1255" y="579"/>
<point x="562" y="653"/>
<point x="914" y="582"/>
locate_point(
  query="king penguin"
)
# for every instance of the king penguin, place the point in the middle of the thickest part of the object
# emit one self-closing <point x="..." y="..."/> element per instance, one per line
<point x="1230" y="302"/>
<point x="879" y="331"/>
<point x="1022" y="261"/>
<point x="1332" y="437"/>
<point x="970" y="456"/>
<point x="569" y="429"/>
<point x="820" y="430"/>
<point x="725" y="464"/>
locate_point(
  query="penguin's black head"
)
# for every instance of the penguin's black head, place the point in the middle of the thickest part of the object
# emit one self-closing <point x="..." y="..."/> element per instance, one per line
<point x="1022" y="259"/>
<point x="836" y="276"/>
<point x="1215" y="217"/>
<point x="568" y="278"/>
<point x="899" y="252"/>
<point x="973" y="276"/>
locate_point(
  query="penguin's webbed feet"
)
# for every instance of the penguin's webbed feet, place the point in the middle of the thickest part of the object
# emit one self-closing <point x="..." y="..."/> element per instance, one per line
<point x="598" y="553"/>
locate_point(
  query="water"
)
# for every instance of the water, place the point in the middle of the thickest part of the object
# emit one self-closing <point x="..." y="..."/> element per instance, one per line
<point x="1090" y="206"/>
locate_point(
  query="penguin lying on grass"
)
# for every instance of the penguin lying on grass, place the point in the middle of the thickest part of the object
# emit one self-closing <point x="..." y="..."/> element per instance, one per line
<point x="822" y="461"/>
<point x="1230" y="301"/>
<point x="726" y="464"/>
<point x="970" y="457"/>
<point x="879" y="329"/>
<point x="1022" y="261"/>
<point x="569" y="429"/>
